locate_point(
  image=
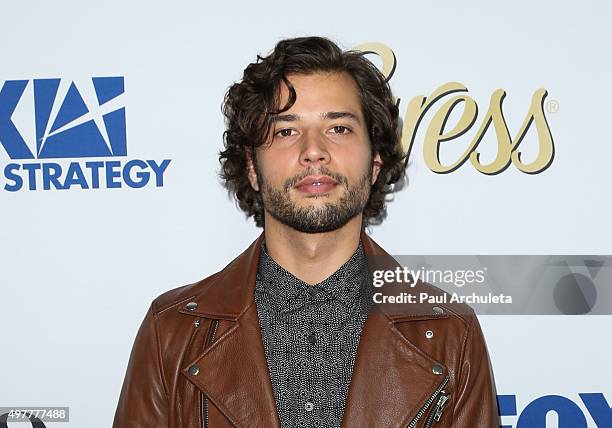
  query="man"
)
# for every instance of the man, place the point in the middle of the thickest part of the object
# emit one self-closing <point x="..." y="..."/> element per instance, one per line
<point x="288" y="335"/>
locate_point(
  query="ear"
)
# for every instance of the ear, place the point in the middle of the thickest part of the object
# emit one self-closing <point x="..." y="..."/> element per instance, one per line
<point x="376" y="166"/>
<point x="251" y="171"/>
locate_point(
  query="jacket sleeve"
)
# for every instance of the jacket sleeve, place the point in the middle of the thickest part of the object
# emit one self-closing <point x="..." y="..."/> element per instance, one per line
<point x="476" y="402"/>
<point x="143" y="402"/>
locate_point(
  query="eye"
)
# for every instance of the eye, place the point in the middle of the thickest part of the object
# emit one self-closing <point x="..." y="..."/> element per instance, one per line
<point x="340" y="129"/>
<point x="285" y="132"/>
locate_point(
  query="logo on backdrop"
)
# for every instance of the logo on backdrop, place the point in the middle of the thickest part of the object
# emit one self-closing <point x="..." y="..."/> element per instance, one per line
<point x="65" y="119"/>
<point x="566" y="409"/>
<point x="437" y="133"/>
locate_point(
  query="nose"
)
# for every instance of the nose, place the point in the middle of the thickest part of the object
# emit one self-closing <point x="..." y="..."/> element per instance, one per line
<point x="313" y="150"/>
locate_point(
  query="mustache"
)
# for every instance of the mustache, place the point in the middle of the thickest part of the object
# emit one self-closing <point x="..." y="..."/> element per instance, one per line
<point x="341" y="179"/>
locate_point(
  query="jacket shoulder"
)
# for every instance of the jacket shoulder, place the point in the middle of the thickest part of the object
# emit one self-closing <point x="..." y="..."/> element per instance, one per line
<point x="178" y="295"/>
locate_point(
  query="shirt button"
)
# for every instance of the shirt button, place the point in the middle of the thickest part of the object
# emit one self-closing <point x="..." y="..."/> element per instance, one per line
<point x="308" y="406"/>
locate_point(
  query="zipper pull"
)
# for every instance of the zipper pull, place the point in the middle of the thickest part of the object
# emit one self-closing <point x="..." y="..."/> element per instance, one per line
<point x="444" y="398"/>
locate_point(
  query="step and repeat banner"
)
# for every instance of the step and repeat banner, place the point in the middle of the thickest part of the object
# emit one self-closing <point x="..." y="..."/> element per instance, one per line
<point x="110" y="128"/>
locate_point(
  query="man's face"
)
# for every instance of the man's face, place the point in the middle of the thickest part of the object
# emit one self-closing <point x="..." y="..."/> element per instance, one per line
<point x="315" y="170"/>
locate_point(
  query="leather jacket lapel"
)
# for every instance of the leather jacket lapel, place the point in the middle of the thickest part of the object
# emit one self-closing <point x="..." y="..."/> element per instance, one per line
<point x="233" y="370"/>
<point x="392" y="379"/>
<point x="235" y="377"/>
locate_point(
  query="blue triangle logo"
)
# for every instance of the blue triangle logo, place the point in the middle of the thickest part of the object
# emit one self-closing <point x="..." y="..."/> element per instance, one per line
<point x="108" y="88"/>
<point x="72" y="108"/>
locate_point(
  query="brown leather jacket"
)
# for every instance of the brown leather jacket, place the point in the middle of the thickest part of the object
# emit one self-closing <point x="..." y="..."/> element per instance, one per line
<point x="198" y="361"/>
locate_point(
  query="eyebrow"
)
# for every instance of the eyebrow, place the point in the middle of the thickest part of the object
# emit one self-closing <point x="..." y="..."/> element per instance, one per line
<point x="284" y="118"/>
<point x="330" y="115"/>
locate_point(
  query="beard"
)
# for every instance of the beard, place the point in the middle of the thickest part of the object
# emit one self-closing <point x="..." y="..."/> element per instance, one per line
<point x="326" y="218"/>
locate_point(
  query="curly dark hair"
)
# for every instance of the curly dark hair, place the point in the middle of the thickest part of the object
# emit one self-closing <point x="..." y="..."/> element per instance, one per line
<point x="250" y="104"/>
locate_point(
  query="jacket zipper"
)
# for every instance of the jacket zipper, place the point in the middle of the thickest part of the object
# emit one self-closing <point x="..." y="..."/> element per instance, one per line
<point x="439" y="406"/>
<point x="204" y="399"/>
<point x="436" y="413"/>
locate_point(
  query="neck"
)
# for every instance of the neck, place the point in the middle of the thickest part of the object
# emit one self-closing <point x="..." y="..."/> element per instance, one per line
<point x="311" y="257"/>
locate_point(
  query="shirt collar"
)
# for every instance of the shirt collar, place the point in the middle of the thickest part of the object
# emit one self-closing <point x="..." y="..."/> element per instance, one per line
<point x="284" y="292"/>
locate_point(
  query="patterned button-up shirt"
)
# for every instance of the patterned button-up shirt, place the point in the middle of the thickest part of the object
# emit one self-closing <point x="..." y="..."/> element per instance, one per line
<point x="310" y="335"/>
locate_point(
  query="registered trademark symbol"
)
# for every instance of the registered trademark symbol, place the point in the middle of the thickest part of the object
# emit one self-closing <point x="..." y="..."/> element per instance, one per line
<point x="552" y="106"/>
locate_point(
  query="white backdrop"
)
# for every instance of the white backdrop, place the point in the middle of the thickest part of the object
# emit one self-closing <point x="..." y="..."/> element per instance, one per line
<point x="78" y="268"/>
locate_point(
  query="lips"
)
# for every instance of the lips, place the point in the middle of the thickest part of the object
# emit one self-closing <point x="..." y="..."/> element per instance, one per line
<point x="316" y="184"/>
